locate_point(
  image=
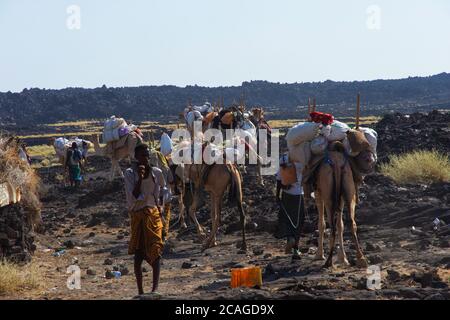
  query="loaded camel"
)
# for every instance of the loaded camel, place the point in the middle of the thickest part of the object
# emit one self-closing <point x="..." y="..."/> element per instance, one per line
<point x="334" y="187"/>
<point x="216" y="179"/>
<point x="117" y="151"/>
<point x="337" y="178"/>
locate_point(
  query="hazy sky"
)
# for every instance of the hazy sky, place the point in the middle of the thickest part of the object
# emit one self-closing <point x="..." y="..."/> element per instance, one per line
<point x="219" y="42"/>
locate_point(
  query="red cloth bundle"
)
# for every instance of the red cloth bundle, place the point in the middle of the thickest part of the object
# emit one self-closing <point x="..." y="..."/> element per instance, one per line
<point x="323" y="118"/>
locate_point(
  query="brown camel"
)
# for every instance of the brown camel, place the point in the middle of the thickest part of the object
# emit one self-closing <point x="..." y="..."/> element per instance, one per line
<point x="335" y="187"/>
<point x="216" y="179"/>
<point x="117" y="151"/>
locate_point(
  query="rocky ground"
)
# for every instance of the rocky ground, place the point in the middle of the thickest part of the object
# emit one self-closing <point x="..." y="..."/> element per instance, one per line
<point x="91" y="225"/>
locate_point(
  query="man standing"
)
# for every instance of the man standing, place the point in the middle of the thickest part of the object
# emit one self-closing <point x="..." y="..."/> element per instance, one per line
<point x="74" y="164"/>
<point x="292" y="210"/>
<point x="144" y="186"/>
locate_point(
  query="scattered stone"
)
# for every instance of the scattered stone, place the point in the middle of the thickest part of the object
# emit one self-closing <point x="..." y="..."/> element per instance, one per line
<point x="361" y="284"/>
<point x="67" y="231"/>
<point x="269" y="269"/>
<point x="115" y="252"/>
<point x="371" y="247"/>
<point x="69" y="244"/>
<point x="120" y="236"/>
<point x="258" y="251"/>
<point x="390" y="293"/>
<point x="124" y="270"/>
<point x="186" y="265"/>
<point x="109" y="274"/>
<point x="268" y="256"/>
<point x="108" y="262"/>
<point x="409" y="293"/>
<point x="393" y="275"/>
<point x="375" y="259"/>
<point x="144" y="270"/>
<point x="91" y="272"/>
<point x="91" y="234"/>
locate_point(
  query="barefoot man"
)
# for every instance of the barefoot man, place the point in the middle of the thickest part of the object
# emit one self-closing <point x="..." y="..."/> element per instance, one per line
<point x="143" y="186"/>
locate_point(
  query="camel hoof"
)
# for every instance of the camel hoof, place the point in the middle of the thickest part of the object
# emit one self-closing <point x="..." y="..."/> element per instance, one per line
<point x="328" y="264"/>
<point x="319" y="257"/>
<point x="209" y="245"/>
<point x="362" y="263"/>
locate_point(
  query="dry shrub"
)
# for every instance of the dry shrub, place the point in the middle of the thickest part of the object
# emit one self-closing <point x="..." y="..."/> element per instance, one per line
<point x="418" y="167"/>
<point x="15" y="278"/>
<point x="20" y="175"/>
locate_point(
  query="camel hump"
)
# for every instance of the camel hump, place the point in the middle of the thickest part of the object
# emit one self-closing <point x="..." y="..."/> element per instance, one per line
<point x="336" y="146"/>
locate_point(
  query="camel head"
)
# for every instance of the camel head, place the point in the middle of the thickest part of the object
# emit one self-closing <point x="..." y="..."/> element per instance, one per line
<point x="95" y="142"/>
<point x="366" y="162"/>
<point x="258" y="113"/>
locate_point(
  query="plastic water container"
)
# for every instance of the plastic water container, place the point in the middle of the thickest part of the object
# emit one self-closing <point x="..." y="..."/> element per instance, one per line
<point x="246" y="277"/>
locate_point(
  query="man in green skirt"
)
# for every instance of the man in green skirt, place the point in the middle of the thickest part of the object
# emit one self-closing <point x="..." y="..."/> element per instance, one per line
<point x="74" y="159"/>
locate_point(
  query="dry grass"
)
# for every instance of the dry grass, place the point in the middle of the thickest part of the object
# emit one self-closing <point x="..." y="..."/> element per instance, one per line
<point x="87" y="132"/>
<point x="20" y="175"/>
<point x="15" y="279"/>
<point x="74" y="123"/>
<point x="44" y="151"/>
<point x="418" y="167"/>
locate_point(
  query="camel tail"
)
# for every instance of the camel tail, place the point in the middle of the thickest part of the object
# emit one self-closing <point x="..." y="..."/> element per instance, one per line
<point x="337" y="192"/>
<point x="235" y="192"/>
<point x="236" y="197"/>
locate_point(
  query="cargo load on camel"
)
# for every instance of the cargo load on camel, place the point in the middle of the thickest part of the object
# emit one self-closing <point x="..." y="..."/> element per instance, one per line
<point x="20" y="207"/>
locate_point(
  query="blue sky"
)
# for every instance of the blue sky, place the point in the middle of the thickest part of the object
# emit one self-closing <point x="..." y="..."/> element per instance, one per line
<point x="218" y="42"/>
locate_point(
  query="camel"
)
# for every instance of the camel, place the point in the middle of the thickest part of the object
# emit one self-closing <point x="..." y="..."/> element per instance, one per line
<point x="335" y="187"/>
<point x="216" y="180"/>
<point x="125" y="150"/>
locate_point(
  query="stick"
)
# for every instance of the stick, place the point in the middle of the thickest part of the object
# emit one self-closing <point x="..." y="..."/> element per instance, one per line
<point x="309" y="108"/>
<point x="152" y="139"/>
<point x="358" y="110"/>
<point x="314" y="105"/>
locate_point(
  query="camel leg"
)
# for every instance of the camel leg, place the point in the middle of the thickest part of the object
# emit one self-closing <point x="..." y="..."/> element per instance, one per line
<point x="115" y="168"/>
<point x="192" y="215"/>
<point x="342" y="257"/>
<point x="215" y="209"/>
<point x="243" y="222"/>
<point x="322" y="225"/>
<point x="181" y="219"/>
<point x="331" y="217"/>
<point x="361" y="261"/>
<point x="350" y="199"/>
<point x="258" y="173"/>
<point x="182" y="208"/>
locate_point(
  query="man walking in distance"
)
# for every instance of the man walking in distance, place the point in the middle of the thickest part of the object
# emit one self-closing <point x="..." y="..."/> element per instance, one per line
<point x="144" y="185"/>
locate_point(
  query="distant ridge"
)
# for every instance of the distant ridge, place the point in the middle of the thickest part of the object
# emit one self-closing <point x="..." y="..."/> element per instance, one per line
<point x="36" y="106"/>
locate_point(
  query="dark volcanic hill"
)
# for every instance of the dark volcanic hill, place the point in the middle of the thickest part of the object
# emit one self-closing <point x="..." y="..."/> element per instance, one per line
<point x="35" y="106"/>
